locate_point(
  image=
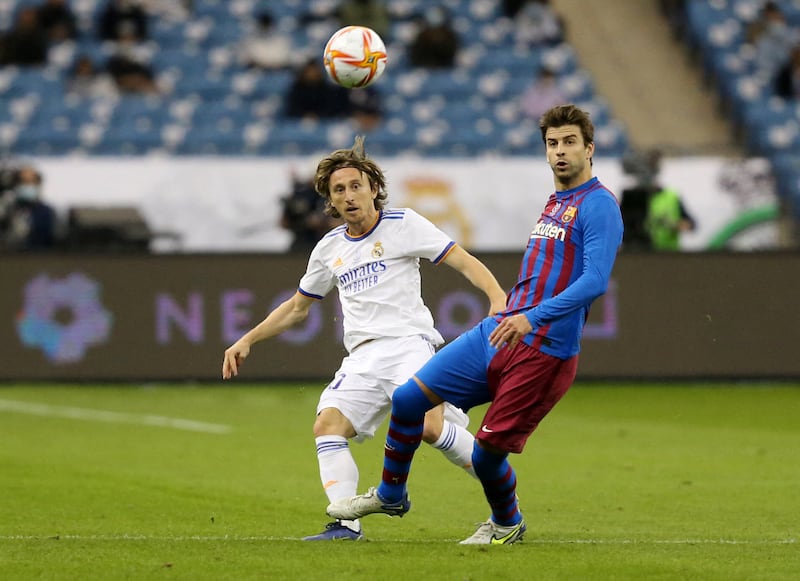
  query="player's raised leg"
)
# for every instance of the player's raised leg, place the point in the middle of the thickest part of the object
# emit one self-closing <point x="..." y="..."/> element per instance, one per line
<point x="409" y="404"/>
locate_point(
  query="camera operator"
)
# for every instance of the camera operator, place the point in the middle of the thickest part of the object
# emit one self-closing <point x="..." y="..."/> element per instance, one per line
<point x="304" y="216"/>
<point x="654" y="216"/>
<point x="26" y="221"/>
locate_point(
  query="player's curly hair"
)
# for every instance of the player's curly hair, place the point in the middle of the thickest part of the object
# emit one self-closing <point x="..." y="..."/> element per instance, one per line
<point x="354" y="157"/>
<point x="561" y="115"/>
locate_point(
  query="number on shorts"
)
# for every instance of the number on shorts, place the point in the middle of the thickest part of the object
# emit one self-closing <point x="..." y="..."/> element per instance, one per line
<point x="337" y="381"/>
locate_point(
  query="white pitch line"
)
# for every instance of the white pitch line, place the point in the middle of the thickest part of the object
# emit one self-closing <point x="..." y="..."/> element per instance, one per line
<point x="76" y="413"/>
<point x="526" y="541"/>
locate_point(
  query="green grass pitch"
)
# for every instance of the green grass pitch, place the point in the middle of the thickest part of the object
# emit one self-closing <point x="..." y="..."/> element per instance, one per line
<point x="220" y="482"/>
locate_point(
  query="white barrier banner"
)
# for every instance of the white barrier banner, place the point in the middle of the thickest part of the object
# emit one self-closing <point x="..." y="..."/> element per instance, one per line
<point x="234" y="205"/>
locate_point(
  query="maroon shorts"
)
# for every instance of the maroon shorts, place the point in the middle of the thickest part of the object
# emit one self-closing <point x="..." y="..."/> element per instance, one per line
<point x="524" y="384"/>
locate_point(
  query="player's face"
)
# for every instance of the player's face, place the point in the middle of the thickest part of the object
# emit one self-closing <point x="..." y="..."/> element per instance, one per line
<point x="353" y="197"/>
<point x="569" y="157"/>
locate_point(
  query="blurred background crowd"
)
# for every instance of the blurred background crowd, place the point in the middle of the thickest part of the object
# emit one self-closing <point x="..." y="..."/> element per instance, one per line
<point x="466" y="79"/>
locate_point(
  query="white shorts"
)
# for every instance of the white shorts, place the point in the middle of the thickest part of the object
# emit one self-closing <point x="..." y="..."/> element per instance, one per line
<point x="363" y="386"/>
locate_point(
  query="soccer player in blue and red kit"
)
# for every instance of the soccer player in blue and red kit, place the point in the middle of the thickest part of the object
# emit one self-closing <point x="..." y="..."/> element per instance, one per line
<point x="524" y="359"/>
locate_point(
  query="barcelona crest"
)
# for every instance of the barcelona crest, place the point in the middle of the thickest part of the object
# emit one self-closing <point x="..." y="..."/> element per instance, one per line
<point x="569" y="214"/>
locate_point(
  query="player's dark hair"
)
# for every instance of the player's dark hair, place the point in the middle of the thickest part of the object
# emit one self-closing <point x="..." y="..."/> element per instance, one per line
<point x="354" y="157"/>
<point x="561" y="115"/>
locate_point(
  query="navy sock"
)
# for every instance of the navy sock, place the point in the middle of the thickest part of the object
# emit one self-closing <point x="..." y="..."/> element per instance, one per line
<point x="409" y="405"/>
<point x="499" y="485"/>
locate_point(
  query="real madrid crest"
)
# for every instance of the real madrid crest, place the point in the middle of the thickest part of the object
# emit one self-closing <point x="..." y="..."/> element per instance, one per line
<point x="377" y="250"/>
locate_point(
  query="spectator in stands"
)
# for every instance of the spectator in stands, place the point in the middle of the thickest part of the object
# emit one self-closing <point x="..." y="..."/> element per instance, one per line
<point x="436" y="43"/>
<point x="370" y="13"/>
<point x="131" y="76"/>
<point x="28" y="223"/>
<point x="128" y="66"/>
<point x="772" y="38"/>
<point x="367" y="109"/>
<point x="512" y="7"/>
<point x="174" y="10"/>
<point x="58" y="20"/>
<point x="87" y="81"/>
<point x="25" y="44"/>
<point x="537" y="24"/>
<point x="304" y="216"/>
<point x="675" y="13"/>
<point x="312" y="96"/>
<point x="267" y="48"/>
<point x="123" y="15"/>
<point x="542" y="94"/>
<point x="787" y="82"/>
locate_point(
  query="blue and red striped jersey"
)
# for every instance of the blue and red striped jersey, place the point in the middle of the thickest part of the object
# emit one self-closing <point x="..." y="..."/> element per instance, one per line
<point x="566" y="266"/>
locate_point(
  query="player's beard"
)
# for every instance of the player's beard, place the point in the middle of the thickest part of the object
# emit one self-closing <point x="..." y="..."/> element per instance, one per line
<point x="568" y="175"/>
<point x="564" y="175"/>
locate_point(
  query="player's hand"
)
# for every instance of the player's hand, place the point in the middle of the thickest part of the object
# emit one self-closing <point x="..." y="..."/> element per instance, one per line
<point x="234" y="357"/>
<point x="510" y="331"/>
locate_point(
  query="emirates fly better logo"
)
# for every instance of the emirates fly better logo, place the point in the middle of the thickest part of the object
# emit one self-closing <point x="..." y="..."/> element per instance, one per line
<point x="63" y="317"/>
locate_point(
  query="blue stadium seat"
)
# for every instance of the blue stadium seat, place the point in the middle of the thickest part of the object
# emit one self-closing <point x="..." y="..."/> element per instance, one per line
<point x="226" y="110"/>
<point x="136" y="138"/>
<point x="384" y="142"/>
<point x="212" y="140"/>
<point x="167" y="34"/>
<point x="131" y="110"/>
<point x="31" y="81"/>
<point x="217" y="9"/>
<point x="186" y="62"/>
<point x="291" y="137"/>
<point x="204" y="87"/>
<point x="770" y="127"/>
<point x="223" y="117"/>
<point x="46" y="140"/>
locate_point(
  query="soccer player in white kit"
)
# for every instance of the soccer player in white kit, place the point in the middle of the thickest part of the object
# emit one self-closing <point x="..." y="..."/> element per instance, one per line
<point x="373" y="262"/>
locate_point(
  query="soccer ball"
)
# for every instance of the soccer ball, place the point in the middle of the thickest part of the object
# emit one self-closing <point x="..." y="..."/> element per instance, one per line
<point x="355" y="56"/>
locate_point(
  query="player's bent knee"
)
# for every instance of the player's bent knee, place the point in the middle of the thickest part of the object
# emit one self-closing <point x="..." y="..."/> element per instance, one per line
<point x="490" y="448"/>
<point x="485" y="461"/>
<point x="431" y="432"/>
<point x="434" y="424"/>
<point x="409" y="402"/>
<point x="331" y="422"/>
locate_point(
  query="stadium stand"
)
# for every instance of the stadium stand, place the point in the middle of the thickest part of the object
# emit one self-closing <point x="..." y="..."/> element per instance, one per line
<point x="769" y="124"/>
<point x="211" y="104"/>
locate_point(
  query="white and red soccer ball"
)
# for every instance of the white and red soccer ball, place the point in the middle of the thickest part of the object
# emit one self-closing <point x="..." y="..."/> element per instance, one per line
<point x="355" y="56"/>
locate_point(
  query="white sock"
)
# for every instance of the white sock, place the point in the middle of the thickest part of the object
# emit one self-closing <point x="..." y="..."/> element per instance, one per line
<point x="337" y="471"/>
<point x="456" y="445"/>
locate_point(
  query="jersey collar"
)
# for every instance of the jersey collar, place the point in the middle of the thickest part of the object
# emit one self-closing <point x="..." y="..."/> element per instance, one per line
<point x="368" y="232"/>
<point x="583" y="186"/>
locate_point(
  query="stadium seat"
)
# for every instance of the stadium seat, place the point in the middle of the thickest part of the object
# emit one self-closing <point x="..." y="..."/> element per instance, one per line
<point x="768" y="125"/>
<point x="214" y="106"/>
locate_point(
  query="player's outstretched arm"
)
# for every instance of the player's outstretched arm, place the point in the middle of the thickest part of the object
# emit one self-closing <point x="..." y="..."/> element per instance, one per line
<point x="479" y="275"/>
<point x="285" y="315"/>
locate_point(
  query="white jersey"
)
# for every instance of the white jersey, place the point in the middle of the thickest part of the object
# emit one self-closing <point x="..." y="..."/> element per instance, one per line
<point x="377" y="276"/>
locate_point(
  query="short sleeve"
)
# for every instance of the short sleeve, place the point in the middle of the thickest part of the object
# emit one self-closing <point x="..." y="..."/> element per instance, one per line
<point x="318" y="279"/>
<point x="426" y="240"/>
